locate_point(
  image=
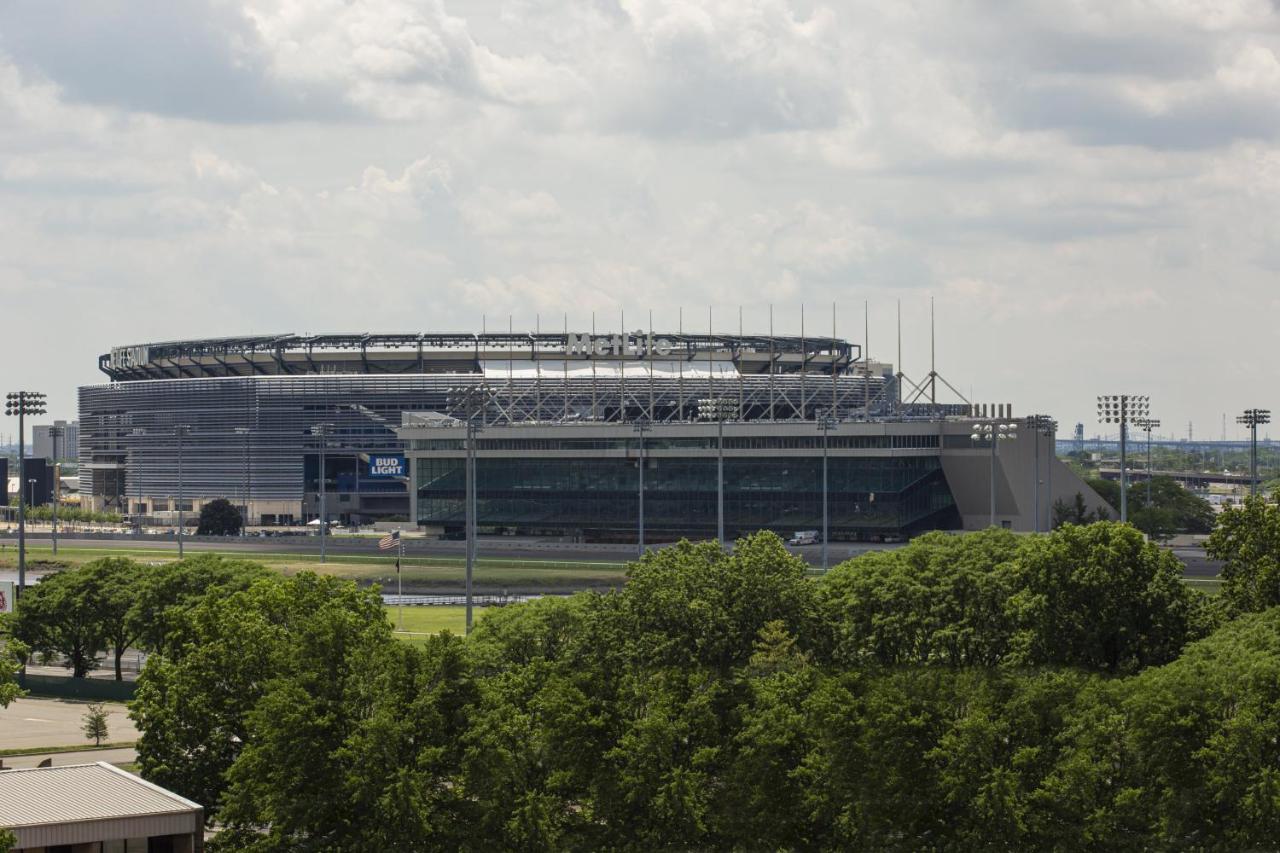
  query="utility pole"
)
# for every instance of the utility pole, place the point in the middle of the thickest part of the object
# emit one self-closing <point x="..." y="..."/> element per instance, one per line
<point x="23" y="403"/>
<point x="244" y="521"/>
<point x="470" y="401"/>
<point x="1041" y="425"/>
<point x="717" y="408"/>
<point x="55" y="432"/>
<point x="641" y="427"/>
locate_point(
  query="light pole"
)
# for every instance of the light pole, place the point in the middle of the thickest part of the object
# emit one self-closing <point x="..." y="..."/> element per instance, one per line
<point x="471" y="400"/>
<point x="244" y="521"/>
<point x="180" y="431"/>
<point x="322" y="431"/>
<point x="1121" y="409"/>
<point x="138" y="433"/>
<point x="1041" y="425"/>
<point x="55" y="432"/>
<point x="994" y="432"/>
<point x="1147" y="424"/>
<point x="23" y="403"/>
<point x="1253" y="418"/>
<point x="717" y="408"/>
<point x="826" y="423"/>
<point x="641" y="427"/>
<point x="31" y="491"/>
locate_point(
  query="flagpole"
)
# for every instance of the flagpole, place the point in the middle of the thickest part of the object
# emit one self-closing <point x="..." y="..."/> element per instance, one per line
<point x="400" y="577"/>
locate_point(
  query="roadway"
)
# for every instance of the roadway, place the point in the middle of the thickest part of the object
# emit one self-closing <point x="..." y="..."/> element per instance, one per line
<point x="505" y="548"/>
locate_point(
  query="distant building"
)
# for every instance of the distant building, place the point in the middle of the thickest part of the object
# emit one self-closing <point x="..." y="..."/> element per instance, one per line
<point x="96" y="807"/>
<point x="39" y="470"/>
<point x="68" y="441"/>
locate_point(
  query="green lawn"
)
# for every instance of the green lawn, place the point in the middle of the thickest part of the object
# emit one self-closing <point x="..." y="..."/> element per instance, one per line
<point x="491" y="574"/>
<point x="420" y="622"/>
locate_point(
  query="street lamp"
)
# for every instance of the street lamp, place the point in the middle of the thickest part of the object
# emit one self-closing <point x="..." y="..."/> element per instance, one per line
<point x="641" y="427"/>
<point x="23" y="403"/>
<point x="717" y="409"/>
<point x="322" y="431"/>
<point x="1148" y="424"/>
<point x="1253" y="418"/>
<point x="180" y="431"/>
<point x="137" y="433"/>
<point x="244" y="521"/>
<point x="55" y="432"/>
<point x="826" y="423"/>
<point x="994" y="432"/>
<point x="1047" y="426"/>
<point x="470" y="401"/>
<point x="1121" y="409"/>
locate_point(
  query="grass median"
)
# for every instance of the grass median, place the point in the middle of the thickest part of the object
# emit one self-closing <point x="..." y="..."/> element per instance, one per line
<point x="492" y="574"/>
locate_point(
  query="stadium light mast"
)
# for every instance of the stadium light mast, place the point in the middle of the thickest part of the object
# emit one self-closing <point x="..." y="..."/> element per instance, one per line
<point x="992" y="433"/>
<point x="22" y="404"/>
<point x="180" y="431"/>
<point x="1253" y="418"/>
<point x="322" y="431"/>
<point x="1047" y="426"/>
<point x="1148" y="424"/>
<point x="718" y="408"/>
<point x="827" y="421"/>
<point x="470" y="400"/>
<point x="1122" y="409"/>
<point x="641" y="427"/>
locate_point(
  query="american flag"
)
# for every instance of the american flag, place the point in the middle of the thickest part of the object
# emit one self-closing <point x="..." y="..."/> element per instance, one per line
<point x="389" y="541"/>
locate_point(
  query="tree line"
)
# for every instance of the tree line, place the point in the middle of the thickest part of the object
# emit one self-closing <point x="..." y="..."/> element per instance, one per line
<point x="982" y="691"/>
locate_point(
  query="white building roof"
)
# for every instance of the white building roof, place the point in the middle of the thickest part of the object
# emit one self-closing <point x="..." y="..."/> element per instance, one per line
<point x="82" y="792"/>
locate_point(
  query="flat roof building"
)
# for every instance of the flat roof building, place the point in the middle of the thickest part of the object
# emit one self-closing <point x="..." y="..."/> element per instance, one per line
<point x="96" y="808"/>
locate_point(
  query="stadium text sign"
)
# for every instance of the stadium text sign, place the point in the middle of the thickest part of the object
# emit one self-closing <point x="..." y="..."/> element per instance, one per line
<point x="638" y="343"/>
<point x="387" y="466"/>
<point x="126" y="357"/>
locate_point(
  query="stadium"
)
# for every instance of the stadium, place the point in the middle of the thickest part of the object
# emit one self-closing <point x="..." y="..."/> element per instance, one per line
<point x="566" y="426"/>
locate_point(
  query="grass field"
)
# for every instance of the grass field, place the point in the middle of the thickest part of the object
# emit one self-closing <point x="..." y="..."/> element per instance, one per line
<point x="420" y="622"/>
<point x="491" y="574"/>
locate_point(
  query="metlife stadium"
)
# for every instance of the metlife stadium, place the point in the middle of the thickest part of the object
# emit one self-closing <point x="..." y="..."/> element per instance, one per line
<point x="562" y="420"/>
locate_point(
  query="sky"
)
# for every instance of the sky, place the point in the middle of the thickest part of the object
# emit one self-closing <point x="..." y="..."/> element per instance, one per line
<point x="1088" y="192"/>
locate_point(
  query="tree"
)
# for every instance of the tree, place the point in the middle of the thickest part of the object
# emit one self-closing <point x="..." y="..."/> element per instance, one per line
<point x="7" y="840"/>
<point x="12" y="654"/>
<point x="159" y="616"/>
<point x="197" y="703"/>
<point x="62" y="614"/>
<point x="1077" y="512"/>
<point x="95" y="723"/>
<point x="115" y="583"/>
<point x="1247" y="541"/>
<point x="219" y="517"/>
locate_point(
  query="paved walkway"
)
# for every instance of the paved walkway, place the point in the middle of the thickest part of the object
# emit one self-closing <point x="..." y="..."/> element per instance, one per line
<point x="63" y="759"/>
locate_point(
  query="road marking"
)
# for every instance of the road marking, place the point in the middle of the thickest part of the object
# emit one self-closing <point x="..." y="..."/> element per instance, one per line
<point x="35" y="720"/>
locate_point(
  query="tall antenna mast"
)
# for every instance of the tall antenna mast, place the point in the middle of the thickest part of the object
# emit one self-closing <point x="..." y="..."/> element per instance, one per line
<point x="934" y="377"/>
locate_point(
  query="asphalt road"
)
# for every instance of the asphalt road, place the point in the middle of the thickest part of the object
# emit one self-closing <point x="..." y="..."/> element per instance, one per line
<point x="36" y="722"/>
<point x="125" y="755"/>
<point x="1193" y="557"/>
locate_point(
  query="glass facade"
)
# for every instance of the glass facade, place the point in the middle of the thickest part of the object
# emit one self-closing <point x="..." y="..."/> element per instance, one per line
<point x="597" y="498"/>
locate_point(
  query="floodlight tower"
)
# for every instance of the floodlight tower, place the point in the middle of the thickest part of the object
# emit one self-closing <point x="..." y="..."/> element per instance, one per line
<point x="322" y="431"/>
<point x="827" y="421"/>
<point x="1121" y="409"/>
<point x="1253" y="418"/>
<point x="641" y="427"/>
<point x="717" y="409"/>
<point x="181" y="431"/>
<point x="994" y="432"/>
<point x="23" y="403"/>
<point x="1148" y="424"/>
<point x="1047" y="426"/>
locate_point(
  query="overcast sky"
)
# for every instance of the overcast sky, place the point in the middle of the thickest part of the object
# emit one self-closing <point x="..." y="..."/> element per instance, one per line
<point x="1089" y="190"/>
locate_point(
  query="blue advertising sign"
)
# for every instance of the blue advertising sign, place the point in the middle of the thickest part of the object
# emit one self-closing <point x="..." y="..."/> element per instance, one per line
<point x="388" y="466"/>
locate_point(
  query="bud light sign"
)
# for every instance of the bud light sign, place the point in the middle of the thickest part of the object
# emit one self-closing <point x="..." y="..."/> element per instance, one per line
<point x="387" y="466"/>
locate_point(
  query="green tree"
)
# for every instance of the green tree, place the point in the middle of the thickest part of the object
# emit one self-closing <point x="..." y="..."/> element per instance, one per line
<point x="116" y="582"/>
<point x="62" y="614"/>
<point x="219" y="517"/>
<point x="159" y="616"/>
<point x="1101" y="597"/>
<point x="1077" y="511"/>
<point x="1247" y="541"/>
<point x="12" y="655"/>
<point x="95" y="723"/>
<point x="7" y="840"/>
<point x="197" y="702"/>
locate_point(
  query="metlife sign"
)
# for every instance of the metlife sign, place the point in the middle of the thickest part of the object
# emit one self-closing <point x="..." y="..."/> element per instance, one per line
<point x="388" y="466"/>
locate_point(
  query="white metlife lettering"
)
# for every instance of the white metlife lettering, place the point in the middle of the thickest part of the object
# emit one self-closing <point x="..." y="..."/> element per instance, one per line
<point x="638" y="344"/>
